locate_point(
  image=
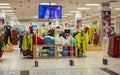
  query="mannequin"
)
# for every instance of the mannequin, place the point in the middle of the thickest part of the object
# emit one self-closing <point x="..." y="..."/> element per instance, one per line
<point x="31" y="28"/>
<point x="8" y="33"/>
<point x="96" y="37"/>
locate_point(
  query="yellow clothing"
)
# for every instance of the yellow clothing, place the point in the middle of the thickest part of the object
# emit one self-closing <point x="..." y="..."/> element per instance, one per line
<point x="30" y="43"/>
<point x="9" y="40"/>
<point x="25" y="43"/>
<point x="82" y="43"/>
<point x="39" y="32"/>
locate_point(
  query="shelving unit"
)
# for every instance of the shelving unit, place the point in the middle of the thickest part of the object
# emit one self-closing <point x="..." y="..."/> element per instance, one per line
<point x="56" y="50"/>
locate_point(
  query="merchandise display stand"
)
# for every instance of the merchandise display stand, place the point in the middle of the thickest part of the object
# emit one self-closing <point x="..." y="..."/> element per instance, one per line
<point x="56" y="46"/>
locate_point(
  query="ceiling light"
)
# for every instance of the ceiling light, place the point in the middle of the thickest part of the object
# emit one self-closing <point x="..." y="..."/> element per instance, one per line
<point x="92" y="4"/>
<point x="95" y="14"/>
<point x="83" y="8"/>
<point x="9" y="13"/>
<point x="73" y="11"/>
<point x="117" y="8"/>
<point x="69" y="14"/>
<point x="47" y="3"/>
<point x="7" y="10"/>
<point x="4" y="4"/>
<point x="64" y="16"/>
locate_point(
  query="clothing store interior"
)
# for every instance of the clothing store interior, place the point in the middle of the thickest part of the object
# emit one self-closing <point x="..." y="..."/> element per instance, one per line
<point x="59" y="37"/>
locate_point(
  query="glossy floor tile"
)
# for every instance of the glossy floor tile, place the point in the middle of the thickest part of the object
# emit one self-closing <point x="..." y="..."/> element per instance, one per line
<point x="12" y="63"/>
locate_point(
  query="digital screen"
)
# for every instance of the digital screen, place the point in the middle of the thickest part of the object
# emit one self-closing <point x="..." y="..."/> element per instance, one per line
<point x="50" y="11"/>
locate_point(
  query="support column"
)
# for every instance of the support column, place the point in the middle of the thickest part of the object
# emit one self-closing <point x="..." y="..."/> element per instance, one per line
<point x="78" y="21"/>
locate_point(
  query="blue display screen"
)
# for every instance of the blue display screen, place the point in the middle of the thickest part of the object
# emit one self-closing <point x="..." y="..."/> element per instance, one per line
<point x="50" y="11"/>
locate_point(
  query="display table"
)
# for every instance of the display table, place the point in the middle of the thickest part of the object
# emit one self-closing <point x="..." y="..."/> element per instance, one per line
<point x="94" y="48"/>
<point x="8" y="48"/>
<point x="54" y="51"/>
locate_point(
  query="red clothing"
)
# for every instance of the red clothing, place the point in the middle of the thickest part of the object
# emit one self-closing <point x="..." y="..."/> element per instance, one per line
<point x="30" y="27"/>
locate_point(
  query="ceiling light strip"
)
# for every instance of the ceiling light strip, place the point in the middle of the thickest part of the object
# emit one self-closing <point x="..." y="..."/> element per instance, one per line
<point x="4" y="4"/>
<point x="83" y="8"/>
<point x="92" y="4"/>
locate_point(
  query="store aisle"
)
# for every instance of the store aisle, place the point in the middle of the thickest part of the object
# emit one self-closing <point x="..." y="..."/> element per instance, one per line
<point x="83" y="66"/>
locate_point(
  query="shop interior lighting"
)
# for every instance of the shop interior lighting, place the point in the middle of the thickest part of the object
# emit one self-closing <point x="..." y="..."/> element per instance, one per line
<point x="64" y="16"/>
<point x="92" y="4"/>
<point x="83" y="8"/>
<point x="73" y="11"/>
<point x="7" y="10"/>
<point x="117" y="8"/>
<point x="95" y="14"/>
<point x="9" y="13"/>
<point x="69" y="14"/>
<point x="47" y="3"/>
<point x="4" y="4"/>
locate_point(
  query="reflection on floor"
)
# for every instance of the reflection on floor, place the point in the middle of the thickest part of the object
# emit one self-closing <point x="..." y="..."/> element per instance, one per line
<point x="13" y="63"/>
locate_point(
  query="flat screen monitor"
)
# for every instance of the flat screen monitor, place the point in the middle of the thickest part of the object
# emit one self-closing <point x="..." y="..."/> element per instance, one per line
<point x="50" y="11"/>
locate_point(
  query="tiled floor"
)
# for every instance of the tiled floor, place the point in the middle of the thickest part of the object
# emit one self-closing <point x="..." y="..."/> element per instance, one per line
<point x="12" y="63"/>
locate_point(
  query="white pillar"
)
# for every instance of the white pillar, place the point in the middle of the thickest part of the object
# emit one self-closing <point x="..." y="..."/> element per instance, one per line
<point x="78" y="21"/>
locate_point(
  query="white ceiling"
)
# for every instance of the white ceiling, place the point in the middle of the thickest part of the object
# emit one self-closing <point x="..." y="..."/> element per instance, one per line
<point x="28" y="9"/>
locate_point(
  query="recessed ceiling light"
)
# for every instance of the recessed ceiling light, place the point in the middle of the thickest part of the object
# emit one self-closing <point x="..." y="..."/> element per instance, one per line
<point x="7" y="10"/>
<point x="4" y="4"/>
<point x="64" y="16"/>
<point x="95" y="14"/>
<point x="92" y="4"/>
<point x="69" y="14"/>
<point x="9" y="13"/>
<point x="83" y="8"/>
<point x="73" y="11"/>
<point x="117" y="8"/>
<point x="47" y="3"/>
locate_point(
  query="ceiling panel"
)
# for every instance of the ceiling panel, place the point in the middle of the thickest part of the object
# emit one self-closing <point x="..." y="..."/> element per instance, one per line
<point x="27" y="9"/>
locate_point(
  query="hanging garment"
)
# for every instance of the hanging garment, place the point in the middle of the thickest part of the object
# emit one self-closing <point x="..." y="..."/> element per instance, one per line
<point x="25" y="45"/>
<point x="30" y="45"/>
<point x="1" y="48"/>
<point x="15" y="37"/>
<point x="38" y="40"/>
<point x="30" y="42"/>
<point x="51" y="32"/>
<point x="91" y="34"/>
<point x="8" y="41"/>
<point x="8" y="33"/>
<point x="39" y="32"/>
<point x="81" y="43"/>
<point x="20" y="42"/>
<point x="96" y="38"/>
